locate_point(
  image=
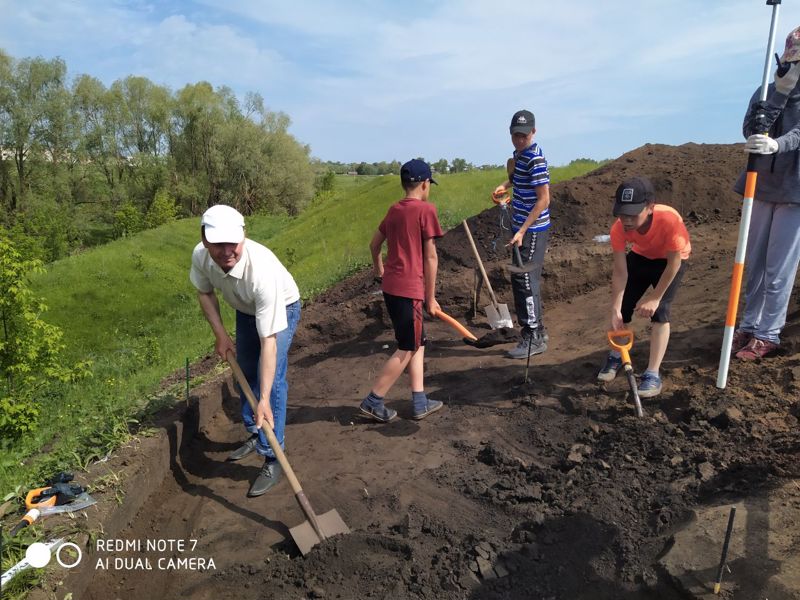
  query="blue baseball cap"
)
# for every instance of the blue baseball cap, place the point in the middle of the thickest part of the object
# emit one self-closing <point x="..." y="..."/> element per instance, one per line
<point x="416" y="171"/>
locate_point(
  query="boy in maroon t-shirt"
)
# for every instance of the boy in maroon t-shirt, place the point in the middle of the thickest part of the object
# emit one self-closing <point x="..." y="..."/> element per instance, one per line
<point x="408" y="280"/>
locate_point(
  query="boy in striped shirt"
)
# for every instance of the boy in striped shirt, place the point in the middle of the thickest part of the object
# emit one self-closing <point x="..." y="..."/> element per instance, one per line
<point x="531" y="226"/>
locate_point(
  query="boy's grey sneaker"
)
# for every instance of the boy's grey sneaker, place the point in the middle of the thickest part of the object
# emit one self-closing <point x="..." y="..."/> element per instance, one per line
<point x="610" y="369"/>
<point x="245" y="449"/>
<point x="537" y="346"/>
<point x="432" y="407"/>
<point x="381" y="413"/>
<point x="269" y="475"/>
<point x="649" y="385"/>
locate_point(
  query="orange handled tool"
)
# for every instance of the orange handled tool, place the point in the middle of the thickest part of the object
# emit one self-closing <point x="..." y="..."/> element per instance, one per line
<point x="616" y="339"/>
<point x="36" y="499"/>
<point x="465" y="333"/>
<point x="501" y="198"/>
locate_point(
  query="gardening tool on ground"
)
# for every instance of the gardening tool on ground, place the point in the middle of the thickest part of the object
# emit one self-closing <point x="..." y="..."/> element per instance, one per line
<point x="59" y="495"/>
<point x="497" y="314"/>
<point x="463" y="331"/>
<point x="744" y="223"/>
<point x="318" y="527"/>
<point x="618" y="343"/>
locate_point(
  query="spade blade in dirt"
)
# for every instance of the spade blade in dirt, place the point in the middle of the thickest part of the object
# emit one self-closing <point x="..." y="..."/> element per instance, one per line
<point x="499" y="316"/>
<point x="496" y="313"/>
<point x="330" y="523"/>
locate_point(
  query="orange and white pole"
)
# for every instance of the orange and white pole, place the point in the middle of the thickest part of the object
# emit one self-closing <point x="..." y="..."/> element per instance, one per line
<point x="744" y="223"/>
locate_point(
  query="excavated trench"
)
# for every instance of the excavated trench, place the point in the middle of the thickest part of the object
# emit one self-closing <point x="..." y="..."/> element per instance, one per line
<point x="550" y="488"/>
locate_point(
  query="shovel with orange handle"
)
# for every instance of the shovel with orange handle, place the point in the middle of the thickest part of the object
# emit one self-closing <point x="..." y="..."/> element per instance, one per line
<point x="465" y="333"/>
<point x="622" y="341"/>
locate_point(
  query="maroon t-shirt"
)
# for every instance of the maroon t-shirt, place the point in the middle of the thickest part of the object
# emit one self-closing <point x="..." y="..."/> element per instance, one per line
<point x="407" y="224"/>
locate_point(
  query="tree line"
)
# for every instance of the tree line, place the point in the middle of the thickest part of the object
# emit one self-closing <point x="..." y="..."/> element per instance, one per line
<point x="82" y="163"/>
<point x="457" y="165"/>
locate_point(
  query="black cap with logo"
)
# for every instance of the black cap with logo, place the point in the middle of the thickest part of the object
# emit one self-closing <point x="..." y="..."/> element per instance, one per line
<point x="633" y="195"/>
<point x="523" y="121"/>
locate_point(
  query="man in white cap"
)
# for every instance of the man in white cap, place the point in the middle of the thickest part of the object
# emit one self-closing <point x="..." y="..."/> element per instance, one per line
<point x="267" y="302"/>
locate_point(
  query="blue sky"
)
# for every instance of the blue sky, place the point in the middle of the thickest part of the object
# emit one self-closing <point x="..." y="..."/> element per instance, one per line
<point x="380" y="80"/>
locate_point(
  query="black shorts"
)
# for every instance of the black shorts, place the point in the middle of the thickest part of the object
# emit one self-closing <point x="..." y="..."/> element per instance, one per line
<point x="642" y="274"/>
<point x="406" y="315"/>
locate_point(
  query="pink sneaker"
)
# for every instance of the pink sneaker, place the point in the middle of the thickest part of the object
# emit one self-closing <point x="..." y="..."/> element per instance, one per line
<point x="740" y="340"/>
<point x="756" y="348"/>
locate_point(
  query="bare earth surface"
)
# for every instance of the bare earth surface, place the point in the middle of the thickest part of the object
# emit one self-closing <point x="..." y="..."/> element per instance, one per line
<point x="549" y="489"/>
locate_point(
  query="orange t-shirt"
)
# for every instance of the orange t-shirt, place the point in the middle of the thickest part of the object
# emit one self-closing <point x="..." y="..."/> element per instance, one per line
<point x="667" y="233"/>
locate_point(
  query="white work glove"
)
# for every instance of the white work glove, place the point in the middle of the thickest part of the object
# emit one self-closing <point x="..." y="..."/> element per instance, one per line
<point x="760" y="144"/>
<point x="786" y="84"/>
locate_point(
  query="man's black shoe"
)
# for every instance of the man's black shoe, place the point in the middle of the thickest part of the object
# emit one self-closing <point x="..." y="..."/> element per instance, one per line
<point x="245" y="449"/>
<point x="269" y="475"/>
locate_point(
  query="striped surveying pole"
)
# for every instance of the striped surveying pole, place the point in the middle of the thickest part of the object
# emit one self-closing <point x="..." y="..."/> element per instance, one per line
<point x="744" y="223"/>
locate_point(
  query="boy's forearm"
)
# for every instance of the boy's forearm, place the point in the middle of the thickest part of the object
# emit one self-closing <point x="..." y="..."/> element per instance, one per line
<point x="375" y="248"/>
<point x="430" y="268"/>
<point x="619" y="278"/>
<point x="617" y="291"/>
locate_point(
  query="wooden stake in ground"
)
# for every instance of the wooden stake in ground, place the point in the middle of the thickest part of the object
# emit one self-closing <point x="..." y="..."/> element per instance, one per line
<point x="718" y="583"/>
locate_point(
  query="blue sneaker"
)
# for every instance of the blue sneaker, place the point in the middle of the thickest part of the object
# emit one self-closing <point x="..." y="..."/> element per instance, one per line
<point x="649" y="385"/>
<point x="610" y="369"/>
<point x="379" y="413"/>
<point x="420" y="412"/>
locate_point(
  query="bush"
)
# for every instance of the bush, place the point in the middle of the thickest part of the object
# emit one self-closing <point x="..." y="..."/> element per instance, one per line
<point x="127" y="220"/>
<point x="30" y="348"/>
<point x="162" y="210"/>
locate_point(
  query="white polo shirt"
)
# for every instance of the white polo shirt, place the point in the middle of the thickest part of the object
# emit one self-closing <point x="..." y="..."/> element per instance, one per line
<point x="257" y="285"/>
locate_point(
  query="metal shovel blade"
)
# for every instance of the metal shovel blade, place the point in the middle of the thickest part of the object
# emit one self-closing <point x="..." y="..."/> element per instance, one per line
<point x="306" y="538"/>
<point x="499" y="316"/>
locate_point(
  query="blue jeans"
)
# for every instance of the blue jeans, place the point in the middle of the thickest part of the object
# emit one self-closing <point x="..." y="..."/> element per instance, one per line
<point x="248" y="353"/>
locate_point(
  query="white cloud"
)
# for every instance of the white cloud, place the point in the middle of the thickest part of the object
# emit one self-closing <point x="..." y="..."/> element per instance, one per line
<point x="370" y="80"/>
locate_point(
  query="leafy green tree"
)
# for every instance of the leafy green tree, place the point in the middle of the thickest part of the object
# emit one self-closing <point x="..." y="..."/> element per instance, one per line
<point x="127" y="220"/>
<point x="29" y="93"/>
<point x="31" y="366"/>
<point x="440" y="166"/>
<point x="162" y="210"/>
<point x="146" y="116"/>
<point x="460" y="165"/>
<point x="325" y="182"/>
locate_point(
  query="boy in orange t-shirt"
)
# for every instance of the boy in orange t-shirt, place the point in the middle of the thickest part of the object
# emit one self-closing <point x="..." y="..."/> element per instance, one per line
<point x="660" y="245"/>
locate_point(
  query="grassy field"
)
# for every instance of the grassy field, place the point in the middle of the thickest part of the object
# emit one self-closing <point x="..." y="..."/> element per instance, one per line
<point x="130" y="308"/>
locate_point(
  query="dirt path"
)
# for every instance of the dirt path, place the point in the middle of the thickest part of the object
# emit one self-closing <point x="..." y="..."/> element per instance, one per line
<point x="550" y="489"/>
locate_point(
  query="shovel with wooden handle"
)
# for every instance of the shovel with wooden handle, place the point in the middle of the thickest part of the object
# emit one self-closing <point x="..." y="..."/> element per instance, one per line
<point x="623" y="347"/>
<point x="496" y="313"/>
<point x="318" y="527"/>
